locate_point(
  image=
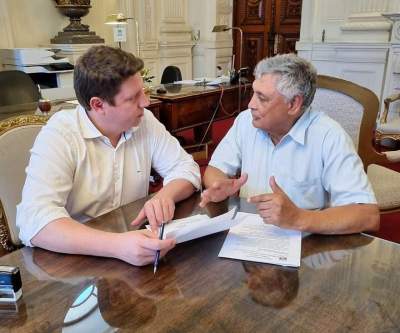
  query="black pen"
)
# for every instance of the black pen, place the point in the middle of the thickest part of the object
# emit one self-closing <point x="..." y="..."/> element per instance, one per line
<point x="160" y="236"/>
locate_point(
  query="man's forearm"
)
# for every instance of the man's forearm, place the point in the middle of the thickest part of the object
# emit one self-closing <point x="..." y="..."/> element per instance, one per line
<point x="341" y="220"/>
<point x="177" y="190"/>
<point x="69" y="236"/>
<point x="211" y="175"/>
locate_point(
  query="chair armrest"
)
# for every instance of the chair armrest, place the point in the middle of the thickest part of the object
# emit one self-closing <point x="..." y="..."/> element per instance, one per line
<point x="393" y="156"/>
<point x="387" y="102"/>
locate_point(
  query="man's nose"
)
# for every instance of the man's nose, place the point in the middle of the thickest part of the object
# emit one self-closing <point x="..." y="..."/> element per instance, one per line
<point x="145" y="101"/>
<point x="252" y="102"/>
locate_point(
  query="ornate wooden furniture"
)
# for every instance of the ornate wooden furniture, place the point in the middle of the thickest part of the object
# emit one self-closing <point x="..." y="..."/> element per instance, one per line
<point x="269" y="27"/>
<point x="193" y="107"/>
<point x="388" y="129"/>
<point x="343" y="282"/>
<point x="189" y="106"/>
<point x="356" y="109"/>
<point x="17" y="135"/>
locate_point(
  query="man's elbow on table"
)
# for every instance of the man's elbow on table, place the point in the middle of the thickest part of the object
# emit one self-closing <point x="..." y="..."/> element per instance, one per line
<point x="372" y="217"/>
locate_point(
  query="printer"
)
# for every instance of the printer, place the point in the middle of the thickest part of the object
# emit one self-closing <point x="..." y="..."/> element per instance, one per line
<point x="52" y="73"/>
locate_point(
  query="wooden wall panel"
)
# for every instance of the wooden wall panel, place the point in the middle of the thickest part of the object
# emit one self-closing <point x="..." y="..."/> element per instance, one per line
<point x="269" y="27"/>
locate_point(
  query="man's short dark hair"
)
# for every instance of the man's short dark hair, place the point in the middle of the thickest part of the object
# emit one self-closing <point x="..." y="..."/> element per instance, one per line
<point x="101" y="71"/>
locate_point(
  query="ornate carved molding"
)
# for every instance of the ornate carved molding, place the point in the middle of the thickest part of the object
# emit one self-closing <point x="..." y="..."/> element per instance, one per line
<point x="18" y="121"/>
<point x="395" y="18"/>
<point x="5" y="239"/>
<point x="366" y="15"/>
<point x="254" y="12"/>
<point x="366" y="22"/>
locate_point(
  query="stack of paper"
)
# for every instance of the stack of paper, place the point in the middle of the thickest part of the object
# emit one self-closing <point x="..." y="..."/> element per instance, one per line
<point x="249" y="238"/>
<point x="197" y="226"/>
<point x="253" y="240"/>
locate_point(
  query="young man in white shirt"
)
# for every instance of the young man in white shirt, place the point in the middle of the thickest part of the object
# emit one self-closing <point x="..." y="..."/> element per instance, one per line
<point x="98" y="157"/>
<point x="297" y="165"/>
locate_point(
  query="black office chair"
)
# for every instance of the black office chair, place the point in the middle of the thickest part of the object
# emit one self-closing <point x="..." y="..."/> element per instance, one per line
<point x="18" y="93"/>
<point x="17" y="87"/>
<point x="171" y="74"/>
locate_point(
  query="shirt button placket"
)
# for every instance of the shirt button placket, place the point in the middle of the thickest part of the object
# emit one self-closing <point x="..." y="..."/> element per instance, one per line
<point x="115" y="178"/>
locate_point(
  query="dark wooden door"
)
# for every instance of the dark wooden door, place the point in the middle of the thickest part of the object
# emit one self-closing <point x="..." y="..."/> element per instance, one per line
<point x="269" y="27"/>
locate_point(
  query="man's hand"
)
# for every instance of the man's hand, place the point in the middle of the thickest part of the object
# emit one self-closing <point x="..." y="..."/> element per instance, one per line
<point x="157" y="210"/>
<point x="221" y="189"/>
<point x="139" y="247"/>
<point x="276" y="208"/>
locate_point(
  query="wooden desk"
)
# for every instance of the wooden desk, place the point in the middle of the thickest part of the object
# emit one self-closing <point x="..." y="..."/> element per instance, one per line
<point x="345" y="283"/>
<point x="187" y="106"/>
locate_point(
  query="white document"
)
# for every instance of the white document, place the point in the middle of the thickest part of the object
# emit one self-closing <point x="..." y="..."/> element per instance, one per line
<point x="253" y="240"/>
<point x="73" y="101"/>
<point x="218" y="81"/>
<point x="197" y="226"/>
<point x="190" y="82"/>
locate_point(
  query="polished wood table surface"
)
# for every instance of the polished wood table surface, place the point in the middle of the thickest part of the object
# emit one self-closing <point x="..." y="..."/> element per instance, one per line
<point x="345" y="284"/>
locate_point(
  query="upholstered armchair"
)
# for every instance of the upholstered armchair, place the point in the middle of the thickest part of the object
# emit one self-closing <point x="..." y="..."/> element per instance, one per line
<point x="389" y="128"/>
<point x="356" y="109"/>
<point x="17" y="135"/>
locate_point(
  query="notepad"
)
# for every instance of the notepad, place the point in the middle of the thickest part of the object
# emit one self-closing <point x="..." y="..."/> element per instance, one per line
<point x="197" y="226"/>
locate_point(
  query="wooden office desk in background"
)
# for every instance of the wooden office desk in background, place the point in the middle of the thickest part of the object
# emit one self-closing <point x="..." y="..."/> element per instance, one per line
<point x="186" y="106"/>
<point x="345" y="283"/>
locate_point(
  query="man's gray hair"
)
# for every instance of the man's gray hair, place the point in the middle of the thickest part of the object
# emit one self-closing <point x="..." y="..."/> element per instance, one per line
<point x="295" y="76"/>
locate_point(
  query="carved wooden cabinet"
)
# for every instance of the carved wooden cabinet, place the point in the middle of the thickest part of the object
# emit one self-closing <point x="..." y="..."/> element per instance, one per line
<point x="269" y="27"/>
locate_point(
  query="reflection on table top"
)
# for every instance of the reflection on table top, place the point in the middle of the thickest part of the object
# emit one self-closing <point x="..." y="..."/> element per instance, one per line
<point x="345" y="283"/>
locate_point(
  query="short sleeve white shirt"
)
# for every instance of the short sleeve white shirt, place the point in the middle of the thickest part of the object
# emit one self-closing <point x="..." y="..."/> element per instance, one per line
<point x="315" y="163"/>
<point x="74" y="171"/>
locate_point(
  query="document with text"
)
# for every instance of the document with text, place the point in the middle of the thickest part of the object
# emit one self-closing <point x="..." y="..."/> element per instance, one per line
<point x="253" y="240"/>
<point x="197" y="226"/>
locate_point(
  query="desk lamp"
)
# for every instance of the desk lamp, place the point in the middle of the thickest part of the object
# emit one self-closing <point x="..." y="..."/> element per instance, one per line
<point x="119" y="21"/>
<point x="221" y="28"/>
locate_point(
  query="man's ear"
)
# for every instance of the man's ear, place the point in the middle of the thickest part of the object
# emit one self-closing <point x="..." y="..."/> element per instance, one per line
<point x="96" y="104"/>
<point x="296" y="105"/>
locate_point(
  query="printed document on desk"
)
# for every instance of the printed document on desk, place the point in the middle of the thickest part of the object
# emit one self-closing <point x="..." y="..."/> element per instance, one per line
<point x="253" y="240"/>
<point x="207" y="81"/>
<point x="197" y="226"/>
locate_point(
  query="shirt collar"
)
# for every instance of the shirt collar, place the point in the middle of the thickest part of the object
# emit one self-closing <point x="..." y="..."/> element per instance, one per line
<point x="90" y="131"/>
<point x="298" y="131"/>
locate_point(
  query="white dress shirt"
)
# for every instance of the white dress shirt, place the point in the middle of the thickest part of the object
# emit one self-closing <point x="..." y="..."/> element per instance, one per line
<point x="315" y="163"/>
<point x="74" y="171"/>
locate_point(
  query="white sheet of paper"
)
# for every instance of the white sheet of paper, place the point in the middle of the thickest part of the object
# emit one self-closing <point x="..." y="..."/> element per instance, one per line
<point x="190" y="82"/>
<point x="253" y="240"/>
<point x="197" y="226"/>
<point x="73" y="101"/>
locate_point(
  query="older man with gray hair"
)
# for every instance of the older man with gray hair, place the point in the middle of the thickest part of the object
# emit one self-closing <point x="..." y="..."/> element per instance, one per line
<point x="298" y="166"/>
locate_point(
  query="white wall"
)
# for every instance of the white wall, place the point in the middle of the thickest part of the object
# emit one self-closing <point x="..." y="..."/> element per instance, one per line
<point x="27" y="23"/>
<point x="212" y="49"/>
<point x="356" y="43"/>
<point x="164" y="30"/>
